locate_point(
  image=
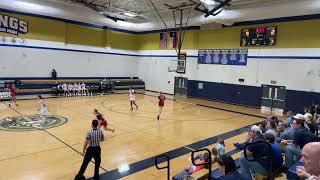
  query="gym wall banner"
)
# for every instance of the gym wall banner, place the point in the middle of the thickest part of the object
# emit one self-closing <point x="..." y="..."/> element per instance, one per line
<point x="13" y="25"/>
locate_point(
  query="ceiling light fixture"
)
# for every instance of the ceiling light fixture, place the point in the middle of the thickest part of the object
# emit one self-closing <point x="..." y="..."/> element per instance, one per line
<point x="208" y="2"/>
<point x="212" y="7"/>
<point x="129" y="14"/>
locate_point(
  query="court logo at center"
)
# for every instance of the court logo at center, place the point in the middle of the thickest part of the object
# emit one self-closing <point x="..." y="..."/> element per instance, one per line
<point x="30" y="123"/>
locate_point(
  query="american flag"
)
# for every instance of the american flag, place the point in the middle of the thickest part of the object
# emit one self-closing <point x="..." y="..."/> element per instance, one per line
<point x="173" y="39"/>
<point x="163" y="40"/>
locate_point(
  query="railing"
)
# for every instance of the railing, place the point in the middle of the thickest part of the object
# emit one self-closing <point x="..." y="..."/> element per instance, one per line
<point x="266" y="157"/>
<point x="167" y="159"/>
<point x="206" y="163"/>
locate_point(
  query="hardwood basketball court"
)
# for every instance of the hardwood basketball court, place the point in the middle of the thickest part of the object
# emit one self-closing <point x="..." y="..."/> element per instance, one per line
<point x="54" y="153"/>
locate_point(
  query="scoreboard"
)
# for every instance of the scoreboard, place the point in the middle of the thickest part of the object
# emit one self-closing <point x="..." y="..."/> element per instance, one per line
<point x="260" y="36"/>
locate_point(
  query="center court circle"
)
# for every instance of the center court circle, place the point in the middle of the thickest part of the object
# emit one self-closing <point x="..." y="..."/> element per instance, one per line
<point x="30" y="123"/>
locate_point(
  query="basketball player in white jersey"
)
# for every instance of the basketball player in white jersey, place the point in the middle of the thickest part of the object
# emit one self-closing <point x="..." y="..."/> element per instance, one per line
<point x="84" y="90"/>
<point x="70" y="89"/>
<point x="43" y="110"/>
<point x="65" y="89"/>
<point x="79" y="89"/>
<point x="132" y="95"/>
<point x="75" y="88"/>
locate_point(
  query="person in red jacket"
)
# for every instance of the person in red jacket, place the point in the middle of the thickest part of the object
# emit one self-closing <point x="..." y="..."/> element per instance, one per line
<point x="161" y="99"/>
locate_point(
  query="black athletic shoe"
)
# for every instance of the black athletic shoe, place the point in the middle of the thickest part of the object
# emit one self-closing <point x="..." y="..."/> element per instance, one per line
<point x="80" y="177"/>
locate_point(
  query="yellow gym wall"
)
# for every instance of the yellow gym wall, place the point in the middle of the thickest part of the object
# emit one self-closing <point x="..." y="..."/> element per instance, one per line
<point x="84" y="35"/>
<point x="119" y="40"/>
<point x="295" y="34"/>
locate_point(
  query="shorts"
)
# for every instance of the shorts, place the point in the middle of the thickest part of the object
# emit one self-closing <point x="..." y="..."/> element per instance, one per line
<point x="43" y="111"/>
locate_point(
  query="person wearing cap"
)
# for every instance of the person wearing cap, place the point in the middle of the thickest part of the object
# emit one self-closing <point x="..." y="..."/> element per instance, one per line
<point x="255" y="151"/>
<point x="302" y="136"/>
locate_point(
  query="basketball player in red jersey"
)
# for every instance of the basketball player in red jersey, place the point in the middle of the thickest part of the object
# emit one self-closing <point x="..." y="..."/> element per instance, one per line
<point x="161" y="98"/>
<point x="13" y="93"/>
<point x="102" y="120"/>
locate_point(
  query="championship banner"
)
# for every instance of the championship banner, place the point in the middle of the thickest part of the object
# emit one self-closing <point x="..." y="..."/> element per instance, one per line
<point x="181" y="66"/>
<point x="223" y="56"/>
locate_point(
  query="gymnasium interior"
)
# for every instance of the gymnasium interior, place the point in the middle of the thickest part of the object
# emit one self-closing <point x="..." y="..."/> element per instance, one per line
<point x="239" y="78"/>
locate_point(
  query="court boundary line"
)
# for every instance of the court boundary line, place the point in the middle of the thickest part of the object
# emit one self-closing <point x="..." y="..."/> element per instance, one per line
<point x="213" y="107"/>
<point x="55" y="137"/>
<point x="149" y="162"/>
<point x="45" y="150"/>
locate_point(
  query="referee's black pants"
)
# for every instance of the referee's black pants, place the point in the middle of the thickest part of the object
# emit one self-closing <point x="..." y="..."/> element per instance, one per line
<point x="95" y="153"/>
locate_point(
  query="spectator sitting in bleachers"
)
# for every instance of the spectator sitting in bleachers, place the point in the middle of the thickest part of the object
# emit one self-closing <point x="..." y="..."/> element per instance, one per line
<point x="277" y="160"/>
<point x="260" y="166"/>
<point x="228" y="169"/>
<point x="288" y="122"/>
<point x="263" y="125"/>
<point x="271" y="128"/>
<point x="248" y="140"/>
<point x="316" y="117"/>
<point x="307" y="109"/>
<point x="317" y="114"/>
<point x="302" y="136"/>
<point x="273" y="118"/>
<point x="284" y="133"/>
<point x="311" y="161"/>
<point x="310" y="122"/>
<point x="220" y="147"/>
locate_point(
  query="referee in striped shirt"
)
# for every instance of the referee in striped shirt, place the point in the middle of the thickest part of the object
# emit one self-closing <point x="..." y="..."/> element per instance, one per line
<point x="91" y="149"/>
